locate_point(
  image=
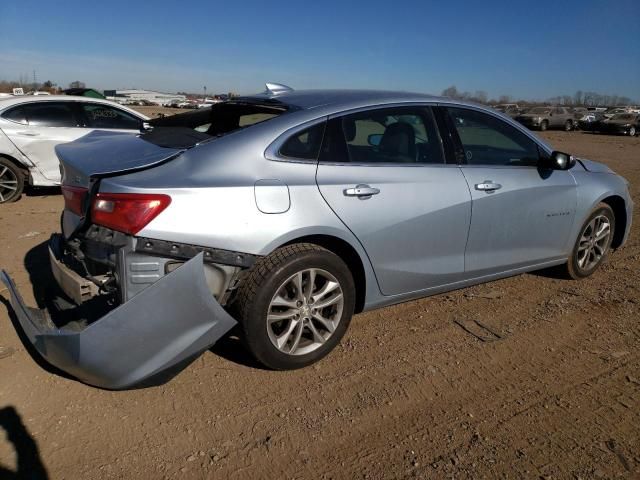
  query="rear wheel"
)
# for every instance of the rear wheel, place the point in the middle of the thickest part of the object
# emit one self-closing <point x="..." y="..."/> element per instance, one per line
<point x="568" y="126"/>
<point x="632" y="132"/>
<point x="593" y="243"/>
<point x="11" y="181"/>
<point x="544" y="125"/>
<point x="295" y="306"/>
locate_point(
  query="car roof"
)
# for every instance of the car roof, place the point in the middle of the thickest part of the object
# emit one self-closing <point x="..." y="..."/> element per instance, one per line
<point x="6" y="102"/>
<point x="343" y="99"/>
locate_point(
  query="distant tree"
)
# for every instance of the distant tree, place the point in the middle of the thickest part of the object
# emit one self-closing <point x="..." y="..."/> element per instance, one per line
<point x="451" y="92"/>
<point x="504" y="99"/>
<point x="77" y="84"/>
<point x="481" y="96"/>
<point x="48" y="84"/>
<point x="577" y="98"/>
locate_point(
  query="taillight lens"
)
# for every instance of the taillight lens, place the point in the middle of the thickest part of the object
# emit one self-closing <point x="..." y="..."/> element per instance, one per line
<point x="127" y="212"/>
<point x="74" y="198"/>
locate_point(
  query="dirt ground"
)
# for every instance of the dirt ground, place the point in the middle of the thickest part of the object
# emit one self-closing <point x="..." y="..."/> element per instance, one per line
<point x="409" y="393"/>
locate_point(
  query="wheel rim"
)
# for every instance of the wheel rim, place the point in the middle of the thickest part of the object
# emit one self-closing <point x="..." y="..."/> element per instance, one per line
<point x="632" y="132"/>
<point x="594" y="242"/>
<point x="8" y="183"/>
<point x="305" y="311"/>
<point x="567" y="126"/>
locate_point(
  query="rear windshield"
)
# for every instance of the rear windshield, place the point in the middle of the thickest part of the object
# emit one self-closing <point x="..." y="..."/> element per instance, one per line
<point x="187" y="129"/>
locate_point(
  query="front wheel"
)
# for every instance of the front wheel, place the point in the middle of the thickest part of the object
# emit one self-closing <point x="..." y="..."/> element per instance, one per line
<point x="632" y="132"/>
<point x="295" y="306"/>
<point x="568" y="126"/>
<point x="593" y="243"/>
<point x="544" y="125"/>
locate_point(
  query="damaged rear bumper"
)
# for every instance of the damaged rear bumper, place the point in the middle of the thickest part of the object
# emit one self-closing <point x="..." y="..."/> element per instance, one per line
<point x="164" y="326"/>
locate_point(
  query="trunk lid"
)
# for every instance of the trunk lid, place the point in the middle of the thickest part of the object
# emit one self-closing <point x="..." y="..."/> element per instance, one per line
<point x="104" y="154"/>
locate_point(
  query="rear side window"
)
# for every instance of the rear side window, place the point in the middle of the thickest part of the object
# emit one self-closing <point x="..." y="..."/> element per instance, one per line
<point x="16" y="114"/>
<point x="391" y="135"/>
<point x="304" y="145"/>
<point x="106" y="116"/>
<point x="50" y="114"/>
<point x="487" y="140"/>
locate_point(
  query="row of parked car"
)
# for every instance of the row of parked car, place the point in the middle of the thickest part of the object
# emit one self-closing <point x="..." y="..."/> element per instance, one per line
<point x="617" y="120"/>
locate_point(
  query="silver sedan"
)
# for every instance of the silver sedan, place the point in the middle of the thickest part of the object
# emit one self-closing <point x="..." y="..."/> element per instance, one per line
<point x="286" y="212"/>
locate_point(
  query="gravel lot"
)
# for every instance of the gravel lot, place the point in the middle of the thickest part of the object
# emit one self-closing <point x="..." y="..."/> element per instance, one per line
<point x="409" y="393"/>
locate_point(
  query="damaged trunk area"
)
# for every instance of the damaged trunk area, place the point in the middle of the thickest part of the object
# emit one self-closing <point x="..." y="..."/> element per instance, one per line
<point x="129" y="308"/>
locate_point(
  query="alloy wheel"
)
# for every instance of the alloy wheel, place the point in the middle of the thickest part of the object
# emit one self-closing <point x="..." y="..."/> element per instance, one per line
<point x="594" y="242"/>
<point x="8" y="183"/>
<point x="305" y="311"/>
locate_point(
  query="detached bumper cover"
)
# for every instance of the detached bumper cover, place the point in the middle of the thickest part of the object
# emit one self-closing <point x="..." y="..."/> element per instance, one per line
<point x="169" y="322"/>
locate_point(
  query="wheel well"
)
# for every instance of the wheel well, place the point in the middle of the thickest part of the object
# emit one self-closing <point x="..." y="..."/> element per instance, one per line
<point x="21" y="167"/>
<point x="620" y="212"/>
<point x="349" y="255"/>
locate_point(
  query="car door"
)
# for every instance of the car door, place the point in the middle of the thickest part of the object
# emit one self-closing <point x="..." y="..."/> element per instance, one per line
<point x="522" y="215"/>
<point x="382" y="171"/>
<point x="46" y="124"/>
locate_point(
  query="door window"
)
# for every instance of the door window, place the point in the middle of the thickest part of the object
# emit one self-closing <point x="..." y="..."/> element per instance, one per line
<point x="390" y="135"/>
<point x="487" y="140"/>
<point x="106" y="116"/>
<point x="50" y="114"/>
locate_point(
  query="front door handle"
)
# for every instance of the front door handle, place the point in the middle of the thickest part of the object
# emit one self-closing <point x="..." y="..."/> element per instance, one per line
<point x="28" y="134"/>
<point x="361" y="191"/>
<point x="488" y="186"/>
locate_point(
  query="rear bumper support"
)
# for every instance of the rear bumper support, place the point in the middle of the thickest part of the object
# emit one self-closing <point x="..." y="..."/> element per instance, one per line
<point x="168" y="323"/>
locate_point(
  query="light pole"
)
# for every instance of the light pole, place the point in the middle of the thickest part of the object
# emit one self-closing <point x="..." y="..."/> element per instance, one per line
<point x="204" y="99"/>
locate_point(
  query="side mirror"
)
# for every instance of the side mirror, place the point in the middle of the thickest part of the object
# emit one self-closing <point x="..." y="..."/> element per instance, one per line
<point x="374" y="139"/>
<point x="558" y="161"/>
<point x="146" y="127"/>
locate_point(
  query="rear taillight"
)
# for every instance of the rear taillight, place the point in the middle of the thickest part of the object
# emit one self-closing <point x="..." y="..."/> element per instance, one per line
<point x="74" y="198"/>
<point x="127" y="212"/>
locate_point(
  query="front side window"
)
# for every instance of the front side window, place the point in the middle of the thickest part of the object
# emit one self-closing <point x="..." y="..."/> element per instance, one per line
<point x="488" y="140"/>
<point x="390" y="135"/>
<point x="106" y="116"/>
<point x="50" y="114"/>
<point x="305" y="144"/>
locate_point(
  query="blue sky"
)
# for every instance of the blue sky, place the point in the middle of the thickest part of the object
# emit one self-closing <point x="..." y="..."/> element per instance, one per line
<point x="530" y="49"/>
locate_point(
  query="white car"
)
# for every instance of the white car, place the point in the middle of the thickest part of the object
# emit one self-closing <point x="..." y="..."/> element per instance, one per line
<point x="31" y="127"/>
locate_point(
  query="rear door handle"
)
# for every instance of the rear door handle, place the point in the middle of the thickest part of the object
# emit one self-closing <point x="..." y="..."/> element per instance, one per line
<point x="488" y="186"/>
<point x="362" y="191"/>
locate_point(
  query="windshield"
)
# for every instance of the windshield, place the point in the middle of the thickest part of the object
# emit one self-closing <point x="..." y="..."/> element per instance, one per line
<point x="539" y="110"/>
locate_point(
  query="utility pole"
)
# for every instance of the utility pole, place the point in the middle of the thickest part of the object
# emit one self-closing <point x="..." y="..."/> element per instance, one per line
<point x="204" y="99"/>
<point x="35" y="83"/>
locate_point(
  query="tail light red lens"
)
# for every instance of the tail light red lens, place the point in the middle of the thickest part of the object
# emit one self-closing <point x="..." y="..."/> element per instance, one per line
<point x="74" y="198"/>
<point x="127" y="212"/>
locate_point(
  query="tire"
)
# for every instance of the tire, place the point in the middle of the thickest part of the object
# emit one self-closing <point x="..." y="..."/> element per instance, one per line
<point x="11" y="181"/>
<point x="271" y="290"/>
<point x="597" y="252"/>
<point x="544" y="125"/>
<point x="632" y="132"/>
<point x="568" y="126"/>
